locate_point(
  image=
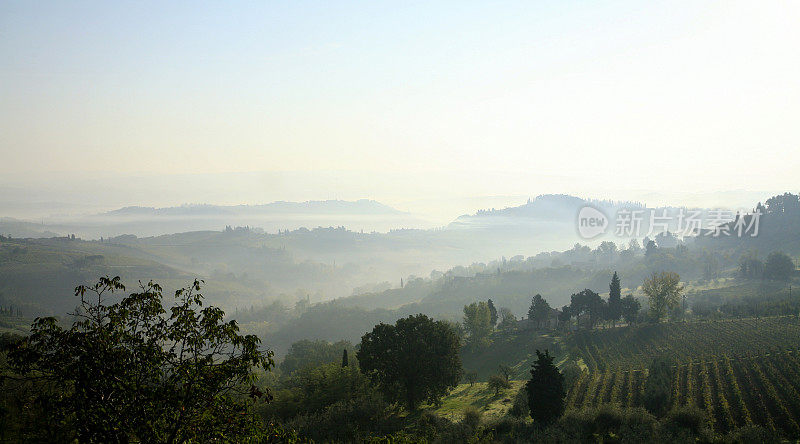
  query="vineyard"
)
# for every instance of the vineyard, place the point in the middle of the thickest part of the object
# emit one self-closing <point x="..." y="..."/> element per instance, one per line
<point x="636" y="347"/>
<point x="734" y="392"/>
<point x="739" y="372"/>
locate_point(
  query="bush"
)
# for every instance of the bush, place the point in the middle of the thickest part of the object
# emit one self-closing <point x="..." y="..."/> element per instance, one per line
<point x="520" y="407"/>
<point x="472" y="418"/>
<point x="686" y="422"/>
<point x="310" y="390"/>
<point x="497" y="383"/>
<point x="346" y="420"/>
<point x="509" y="429"/>
<point x="608" y="422"/>
<point x="751" y="433"/>
<point x="431" y="425"/>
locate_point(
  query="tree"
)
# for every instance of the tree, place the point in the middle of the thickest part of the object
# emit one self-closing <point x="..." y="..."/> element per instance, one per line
<point x="650" y="248"/>
<point x="497" y="383"/>
<point x="664" y="292"/>
<point x="505" y="371"/>
<point x="415" y="360"/>
<point x="614" y="302"/>
<point x="477" y="322"/>
<point x="750" y="267"/>
<point x="779" y="266"/>
<point x="630" y="308"/>
<point x="564" y="316"/>
<point x="344" y="358"/>
<point x="589" y="303"/>
<point x="607" y="251"/>
<point x="545" y="390"/>
<point x="134" y="370"/>
<point x="472" y="376"/>
<point x="492" y="313"/>
<point x="507" y="319"/>
<point x="539" y="311"/>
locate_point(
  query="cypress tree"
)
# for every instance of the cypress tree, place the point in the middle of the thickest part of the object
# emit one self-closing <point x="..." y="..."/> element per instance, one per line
<point x="545" y="390"/>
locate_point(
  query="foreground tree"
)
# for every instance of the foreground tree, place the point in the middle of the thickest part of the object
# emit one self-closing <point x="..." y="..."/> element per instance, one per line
<point x="413" y="361"/>
<point x="664" y="292"/>
<point x="133" y="371"/>
<point x="545" y="390"/>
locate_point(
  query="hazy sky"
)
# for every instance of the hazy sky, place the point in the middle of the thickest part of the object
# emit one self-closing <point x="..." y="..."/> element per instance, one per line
<point x="490" y="98"/>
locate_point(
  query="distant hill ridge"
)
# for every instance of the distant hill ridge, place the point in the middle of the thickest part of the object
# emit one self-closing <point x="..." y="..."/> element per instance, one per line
<point x="551" y="207"/>
<point x="361" y="206"/>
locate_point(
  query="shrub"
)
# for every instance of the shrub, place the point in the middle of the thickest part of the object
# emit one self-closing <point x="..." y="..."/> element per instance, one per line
<point x="346" y="420"/>
<point x="685" y="422"/>
<point x="751" y="433"/>
<point x="472" y="418"/>
<point x="608" y="422"/>
<point x="497" y="383"/>
<point x="520" y="407"/>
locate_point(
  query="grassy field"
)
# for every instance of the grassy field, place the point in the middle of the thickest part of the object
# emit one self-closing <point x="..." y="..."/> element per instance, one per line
<point x="478" y="396"/>
<point x="516" y="349"/>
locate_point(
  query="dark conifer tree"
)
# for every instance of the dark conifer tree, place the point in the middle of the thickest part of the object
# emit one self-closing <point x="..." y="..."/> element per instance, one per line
<point x="545" y="390"/>
<point x="614" y="299"/>
<point x="492" y="313"/>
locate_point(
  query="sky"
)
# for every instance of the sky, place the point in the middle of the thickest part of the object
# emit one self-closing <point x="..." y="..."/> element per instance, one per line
<point x="161" y="103"/>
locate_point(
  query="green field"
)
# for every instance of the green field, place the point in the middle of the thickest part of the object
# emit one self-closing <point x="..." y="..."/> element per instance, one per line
<point x="480" y="397"/>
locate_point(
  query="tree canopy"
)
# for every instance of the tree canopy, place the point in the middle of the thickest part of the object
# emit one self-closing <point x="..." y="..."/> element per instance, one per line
<point x="779" y="266"/>
<point x="477" y="322"/>
<point x="587" y="303"/>
<point x="415" y="360"/>
<point x="133" y="371"/>
<point x="664" y="291"/>
<point x="539" y="311"/>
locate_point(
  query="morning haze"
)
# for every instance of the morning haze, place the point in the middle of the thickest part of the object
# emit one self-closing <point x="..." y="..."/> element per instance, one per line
<point x="485" y="222"/>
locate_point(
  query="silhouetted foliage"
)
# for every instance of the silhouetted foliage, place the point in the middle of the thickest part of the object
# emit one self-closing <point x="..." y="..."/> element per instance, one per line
<point x="539" y="312"/>
<point x="492" y="313"/>
<point x="545" y="390"/>
<point x="415" y="360"/>
<point x="614" y="311"/>
<point x="134" y="371"/>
